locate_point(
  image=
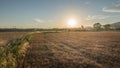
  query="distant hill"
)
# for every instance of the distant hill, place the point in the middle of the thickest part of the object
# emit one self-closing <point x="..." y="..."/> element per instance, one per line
<point x="115" y="25"/>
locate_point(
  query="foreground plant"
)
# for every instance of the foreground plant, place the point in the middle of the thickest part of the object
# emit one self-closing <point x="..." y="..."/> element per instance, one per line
<point x="14" y="51"/>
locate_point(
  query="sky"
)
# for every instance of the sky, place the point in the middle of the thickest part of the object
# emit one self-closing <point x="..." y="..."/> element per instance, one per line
<point x="55" y="13"/>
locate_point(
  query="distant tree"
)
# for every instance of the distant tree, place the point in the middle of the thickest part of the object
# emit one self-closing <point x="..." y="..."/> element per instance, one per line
<point x="97" y="26"/>
<point x="106" y="26"/>
<point x="82" y="27"/>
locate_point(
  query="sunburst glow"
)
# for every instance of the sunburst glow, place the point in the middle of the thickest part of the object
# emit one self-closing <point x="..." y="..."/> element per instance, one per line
<point x="72" y="23"/>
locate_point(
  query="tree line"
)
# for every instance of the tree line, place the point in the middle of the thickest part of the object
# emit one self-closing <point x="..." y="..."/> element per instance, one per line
<point x="96" y="27"/>
<point x="99" y="27"/>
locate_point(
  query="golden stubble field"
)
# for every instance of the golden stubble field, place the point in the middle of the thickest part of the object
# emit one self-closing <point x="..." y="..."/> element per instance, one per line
<point x="69" y="49"/>
<point x="74" y="50"/>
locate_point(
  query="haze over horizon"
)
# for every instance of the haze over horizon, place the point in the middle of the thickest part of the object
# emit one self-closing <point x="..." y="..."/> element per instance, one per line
<point x="55" y="13"/>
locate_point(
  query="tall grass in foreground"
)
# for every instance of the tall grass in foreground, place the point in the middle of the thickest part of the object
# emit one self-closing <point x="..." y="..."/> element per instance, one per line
<point x="14" y="51"/>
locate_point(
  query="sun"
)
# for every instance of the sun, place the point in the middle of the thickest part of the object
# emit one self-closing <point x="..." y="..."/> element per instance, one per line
<point x="72" y="22"/>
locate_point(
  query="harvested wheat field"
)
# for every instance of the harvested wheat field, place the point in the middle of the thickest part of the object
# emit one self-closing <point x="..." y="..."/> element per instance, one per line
<point x="74" y="50"/>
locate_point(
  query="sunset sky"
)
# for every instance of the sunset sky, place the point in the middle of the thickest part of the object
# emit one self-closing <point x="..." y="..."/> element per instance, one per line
<point x="55" y="13"/>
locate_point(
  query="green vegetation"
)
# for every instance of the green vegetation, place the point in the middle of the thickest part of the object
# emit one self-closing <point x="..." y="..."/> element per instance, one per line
<point x="97" y="26"/>
<point x="14" y="51"/>
<point x="106" y="27"/>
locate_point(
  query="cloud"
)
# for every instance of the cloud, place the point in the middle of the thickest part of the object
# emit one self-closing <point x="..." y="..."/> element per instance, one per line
<point x="111" y="9"/>
<point x="117" y="5"/>
<point x="96" y="17"/>
<point x="38" y="20"/>
<point x="114" y="8"/>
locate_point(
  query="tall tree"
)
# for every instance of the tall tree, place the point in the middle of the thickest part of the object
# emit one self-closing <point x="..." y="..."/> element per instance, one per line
<point x="97" y="26"/>
<point x="82" y="27"/>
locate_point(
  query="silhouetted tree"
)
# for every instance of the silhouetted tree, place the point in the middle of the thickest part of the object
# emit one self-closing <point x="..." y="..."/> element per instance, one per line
<point x="82" y="27"/>
<point x="97" y="26"/>
<point x="106" y="26"/>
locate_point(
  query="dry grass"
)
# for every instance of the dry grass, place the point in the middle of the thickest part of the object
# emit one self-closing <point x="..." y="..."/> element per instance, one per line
<point x="7" y="36"/>
<point x="74" y="50"/>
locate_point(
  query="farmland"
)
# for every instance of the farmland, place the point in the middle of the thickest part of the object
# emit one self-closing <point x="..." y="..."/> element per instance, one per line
<point x="70" y="50"/>
<point x="74" y="50"/>
<point x="7" y="36"/>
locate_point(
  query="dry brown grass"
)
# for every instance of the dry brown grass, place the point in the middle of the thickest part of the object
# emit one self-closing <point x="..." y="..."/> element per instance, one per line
<point x="74" y="50"/>
<point x="7" y="36"/>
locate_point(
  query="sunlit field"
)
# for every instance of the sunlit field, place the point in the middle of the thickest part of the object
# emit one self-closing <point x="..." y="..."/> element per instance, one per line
<point x="62" y="50"/>
<point x="59" y="33"/>
<point x="68" y="49"/>
<point x="74" y="50"/>
<point x="5" y="37"/>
